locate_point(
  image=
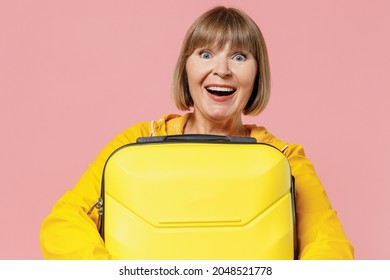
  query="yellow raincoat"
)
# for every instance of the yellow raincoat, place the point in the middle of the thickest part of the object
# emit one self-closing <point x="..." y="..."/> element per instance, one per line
<point x="70" y="233"/>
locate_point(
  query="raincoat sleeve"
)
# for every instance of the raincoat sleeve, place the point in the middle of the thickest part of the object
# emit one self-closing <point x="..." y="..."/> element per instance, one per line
<point x="68" y="232"/>
<point x="320" y="234"/>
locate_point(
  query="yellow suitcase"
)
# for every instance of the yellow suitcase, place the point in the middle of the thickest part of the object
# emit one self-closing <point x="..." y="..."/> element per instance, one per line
<point x="198" y="197"/>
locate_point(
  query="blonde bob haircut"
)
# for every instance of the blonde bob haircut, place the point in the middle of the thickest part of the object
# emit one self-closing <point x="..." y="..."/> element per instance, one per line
<point x="216" y="28"/>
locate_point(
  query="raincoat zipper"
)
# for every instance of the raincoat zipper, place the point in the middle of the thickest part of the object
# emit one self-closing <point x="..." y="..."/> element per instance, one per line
<point x="99" y="206"/>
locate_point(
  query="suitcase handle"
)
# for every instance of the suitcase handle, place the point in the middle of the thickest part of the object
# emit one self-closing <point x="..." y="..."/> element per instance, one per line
<point x="197" y="138"/>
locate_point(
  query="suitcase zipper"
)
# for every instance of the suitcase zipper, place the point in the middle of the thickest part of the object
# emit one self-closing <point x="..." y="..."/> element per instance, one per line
<point x="99" y="206"/>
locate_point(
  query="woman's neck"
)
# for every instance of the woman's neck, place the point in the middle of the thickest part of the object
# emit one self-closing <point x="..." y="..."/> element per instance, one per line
<point x="233" y="127"/>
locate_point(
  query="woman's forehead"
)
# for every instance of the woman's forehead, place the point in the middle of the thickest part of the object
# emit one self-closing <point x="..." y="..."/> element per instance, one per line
<point x="217" y="46"/>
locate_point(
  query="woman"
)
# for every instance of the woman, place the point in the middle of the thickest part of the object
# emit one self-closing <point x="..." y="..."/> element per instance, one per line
<point x="222" y="73"/>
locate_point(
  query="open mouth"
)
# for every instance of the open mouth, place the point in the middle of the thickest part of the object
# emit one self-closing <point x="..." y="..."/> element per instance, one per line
<point x="220" y="91"/>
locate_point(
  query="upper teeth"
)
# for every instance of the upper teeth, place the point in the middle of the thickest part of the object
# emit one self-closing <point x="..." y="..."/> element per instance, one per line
<point x="227" y="89"/>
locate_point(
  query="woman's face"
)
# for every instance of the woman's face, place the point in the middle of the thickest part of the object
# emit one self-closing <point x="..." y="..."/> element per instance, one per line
<point x="220" y="82"/>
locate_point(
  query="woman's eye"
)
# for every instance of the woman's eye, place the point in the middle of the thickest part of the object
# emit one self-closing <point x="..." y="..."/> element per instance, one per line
<point x="205" y="55"/>
<point x="239" y="57"/>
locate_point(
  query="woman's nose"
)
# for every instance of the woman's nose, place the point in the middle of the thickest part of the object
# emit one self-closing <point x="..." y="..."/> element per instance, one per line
<point x="221" y="67"/>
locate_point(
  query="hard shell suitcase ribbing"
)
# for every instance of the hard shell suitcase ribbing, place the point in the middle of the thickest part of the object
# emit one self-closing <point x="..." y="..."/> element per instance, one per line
<point x="198" y="197"/>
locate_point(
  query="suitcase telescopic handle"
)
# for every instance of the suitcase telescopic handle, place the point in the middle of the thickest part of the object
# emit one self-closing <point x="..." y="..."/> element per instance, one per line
<point x="197" y="138"/>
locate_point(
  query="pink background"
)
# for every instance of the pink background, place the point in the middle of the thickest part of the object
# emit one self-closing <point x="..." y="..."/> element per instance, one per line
<point x="75" y="73"/>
